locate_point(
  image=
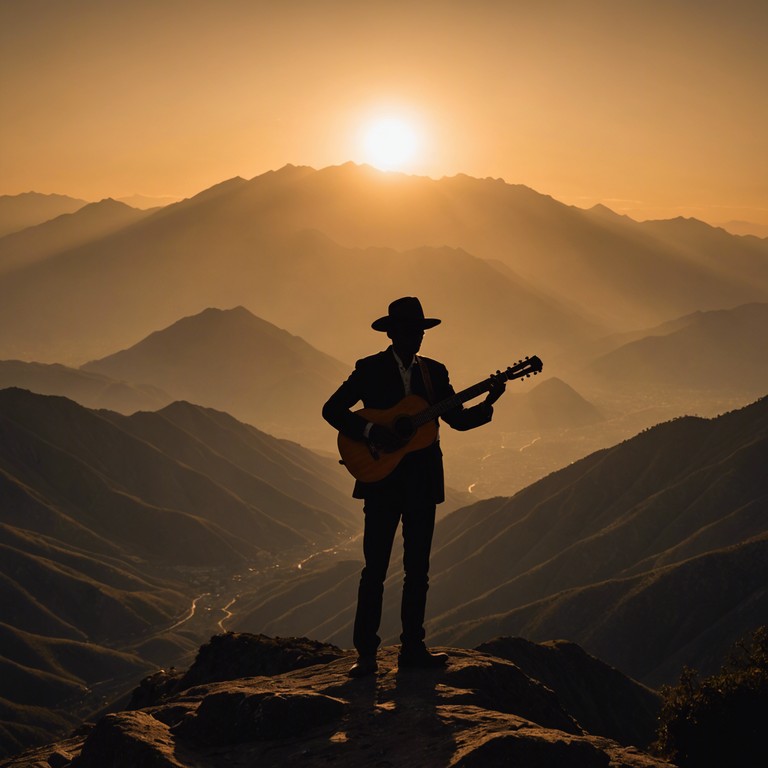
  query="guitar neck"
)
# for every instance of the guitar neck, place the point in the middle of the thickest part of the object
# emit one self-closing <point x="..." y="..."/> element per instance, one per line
<point x="523" y="369"/>
<point x="438" y="409"/>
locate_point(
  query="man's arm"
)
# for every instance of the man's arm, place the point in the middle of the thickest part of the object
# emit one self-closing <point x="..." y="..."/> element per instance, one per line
<point x="336" y="410"/>
<point x="337" y="413"/>
<point x="463" y="419"/>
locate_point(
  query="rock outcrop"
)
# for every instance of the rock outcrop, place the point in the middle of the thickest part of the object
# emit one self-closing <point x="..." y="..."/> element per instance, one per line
<point x="480" y="710"/>
<point x="603" y="700"/>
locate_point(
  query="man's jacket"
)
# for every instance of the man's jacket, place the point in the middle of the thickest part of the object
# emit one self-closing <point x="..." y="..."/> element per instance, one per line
<point x="376" y="382"/>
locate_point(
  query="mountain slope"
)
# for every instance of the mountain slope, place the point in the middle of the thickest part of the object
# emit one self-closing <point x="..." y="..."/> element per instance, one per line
<point x="111" y="525"/>
<point x="236" y="362"/>
<point x="663" y="531"/>
<point x="718" y="350"/>
<point x="309" y="494"/>
<point x="551" y="404"/>
<point x="91" y="222"/>
<point x="48" y="441"/>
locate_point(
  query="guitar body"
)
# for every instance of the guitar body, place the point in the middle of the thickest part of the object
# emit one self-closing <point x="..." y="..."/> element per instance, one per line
<point x="371" y="464"/>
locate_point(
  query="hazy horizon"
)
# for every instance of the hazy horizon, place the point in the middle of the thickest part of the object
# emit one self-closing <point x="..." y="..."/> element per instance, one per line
<point x="655" y="110"/>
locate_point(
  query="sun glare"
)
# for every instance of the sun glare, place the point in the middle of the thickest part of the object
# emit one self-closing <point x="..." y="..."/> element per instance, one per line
<point x="390" y="144"/>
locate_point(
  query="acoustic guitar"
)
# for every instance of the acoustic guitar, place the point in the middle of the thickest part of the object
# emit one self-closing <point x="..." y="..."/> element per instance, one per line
<point x="413" y="419"/>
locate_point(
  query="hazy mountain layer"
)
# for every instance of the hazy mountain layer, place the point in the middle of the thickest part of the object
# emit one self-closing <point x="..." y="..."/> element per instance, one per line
<point x="94" y="300"/>
<point x="235" y="362"/>
<point x="607" y="265"/>
<point x="718" y="350"/>
<point x="322" y="253"/>
<point x="89" y="223"/>
<point x="554" y="276"/>
<point x="550" y="404"/>
<point x="31" y="208"/>
<point x="93" y="390"/>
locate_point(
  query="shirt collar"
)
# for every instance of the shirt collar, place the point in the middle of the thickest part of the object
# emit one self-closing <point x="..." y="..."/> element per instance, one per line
<point x="400" y="362"/>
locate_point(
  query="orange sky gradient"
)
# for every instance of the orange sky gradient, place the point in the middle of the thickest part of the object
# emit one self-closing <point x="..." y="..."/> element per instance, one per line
<point x="656" y="108"/>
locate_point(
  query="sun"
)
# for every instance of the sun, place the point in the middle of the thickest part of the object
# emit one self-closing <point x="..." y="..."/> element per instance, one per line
<point x="391" y="143"/>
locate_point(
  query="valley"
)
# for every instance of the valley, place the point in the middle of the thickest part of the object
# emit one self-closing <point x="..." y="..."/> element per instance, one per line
<point x="210" y="612"/>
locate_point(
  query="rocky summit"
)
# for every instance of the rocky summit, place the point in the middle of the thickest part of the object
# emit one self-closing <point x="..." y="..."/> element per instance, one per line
<point x="481" y="710"/>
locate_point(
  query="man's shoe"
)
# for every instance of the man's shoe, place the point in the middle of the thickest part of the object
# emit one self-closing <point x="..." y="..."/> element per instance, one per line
<point x="422" y="659"/>
<point x="364" y="666"/>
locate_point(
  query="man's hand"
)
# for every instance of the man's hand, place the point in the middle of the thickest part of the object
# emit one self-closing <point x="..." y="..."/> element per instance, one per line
<point x="385" y="438"/>
<point x="498" y="385"/>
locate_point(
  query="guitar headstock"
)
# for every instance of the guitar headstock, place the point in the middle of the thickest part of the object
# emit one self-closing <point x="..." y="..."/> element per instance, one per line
<point x="523" y="368"/>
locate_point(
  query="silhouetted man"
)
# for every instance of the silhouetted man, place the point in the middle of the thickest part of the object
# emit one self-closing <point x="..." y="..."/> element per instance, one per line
<point x="411" y="491"/>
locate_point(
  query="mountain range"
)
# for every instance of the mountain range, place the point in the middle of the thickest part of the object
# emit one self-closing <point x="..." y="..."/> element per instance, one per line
<point x="112" y="524"/>
<point x="322" y="253"/>
<point x="233" y="361"/>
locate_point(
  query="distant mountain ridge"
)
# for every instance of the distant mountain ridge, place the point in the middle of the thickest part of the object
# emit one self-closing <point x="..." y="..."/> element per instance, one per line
<point x="92" y="390"/>
<point x="722" y="349"/>
<point x="291" y="244"/>
<point x="746" y="228"/>
<point x="90" y="222"/>
<point x="31" y="208"/>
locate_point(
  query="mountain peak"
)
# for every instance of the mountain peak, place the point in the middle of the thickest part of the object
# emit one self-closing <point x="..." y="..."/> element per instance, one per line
<point x="218" y="358"/>
<point x="608" y="213"/>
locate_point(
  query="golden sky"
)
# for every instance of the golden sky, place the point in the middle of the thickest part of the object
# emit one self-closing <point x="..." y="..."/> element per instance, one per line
<point x="656" y="108"/>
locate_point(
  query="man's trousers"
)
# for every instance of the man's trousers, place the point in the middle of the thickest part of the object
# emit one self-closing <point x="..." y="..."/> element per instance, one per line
<point x="413" y="505"/>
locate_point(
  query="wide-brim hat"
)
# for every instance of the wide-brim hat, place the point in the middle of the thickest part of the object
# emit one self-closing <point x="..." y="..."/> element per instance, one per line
<point x="404" y="313"/>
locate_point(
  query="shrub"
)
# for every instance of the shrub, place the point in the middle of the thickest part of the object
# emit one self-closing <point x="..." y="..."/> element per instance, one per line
<point x="719" y="720"/>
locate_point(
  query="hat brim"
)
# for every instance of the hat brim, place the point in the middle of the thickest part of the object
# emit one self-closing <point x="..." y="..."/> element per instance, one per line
<point x="386" y="323"/>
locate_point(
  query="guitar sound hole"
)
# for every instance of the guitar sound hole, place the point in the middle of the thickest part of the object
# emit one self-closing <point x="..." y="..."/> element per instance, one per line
<point x="403" y="427"/>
